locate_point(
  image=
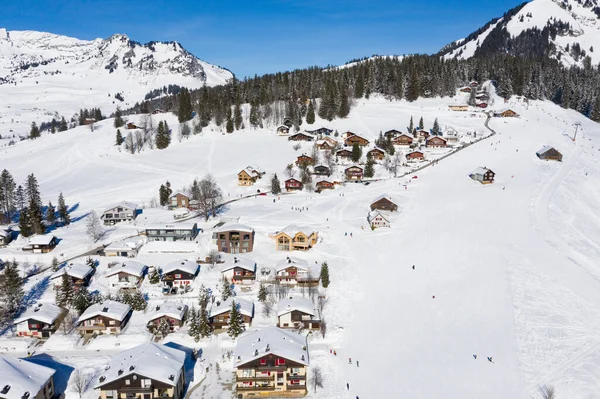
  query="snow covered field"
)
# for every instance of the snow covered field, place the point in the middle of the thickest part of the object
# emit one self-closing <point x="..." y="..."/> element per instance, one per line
<point x="507" y="271"/>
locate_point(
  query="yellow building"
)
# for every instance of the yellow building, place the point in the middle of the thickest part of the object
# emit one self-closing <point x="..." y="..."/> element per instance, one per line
<point x="294" y="238"/>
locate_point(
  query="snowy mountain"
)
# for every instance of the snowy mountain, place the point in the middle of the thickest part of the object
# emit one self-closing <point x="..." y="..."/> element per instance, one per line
<point x="567" y="30"/>
<point x="63" y="74"/>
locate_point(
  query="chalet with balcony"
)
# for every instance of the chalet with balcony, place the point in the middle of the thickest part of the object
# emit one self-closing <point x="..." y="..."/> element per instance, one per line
<point x="390" y="134"/>
<point x="298" y="313"/>
<point x="301" y="137"/>
<point x="271" y="362"/>
<point x="128" y="248"/>
<point x="346" y="154"/>
<point x="179" y="200"/>
<point x="40" y="320"/>
<point x="293" y="238"/>
<point x="295" y="271"/>
<point x="171" y="312"/>
<point x="508" y="113"/>
<point x="549" y="154"/>
<point x="377" y="218"/>
<point x="483" y="175"/>
<point x="131" y="125"/>
<point x="384" y="203"/>
<point x="292" y="184"/>
<point x="179" y="273"/>
<point x="415" y="156"/>
<point x="41" y="244"/>
<point x="126" y="275"/>
<point x="247" y="177"/>
<point x="172" y="232"/>
<point x="147" y="371"/>
<point x="239" y="270"/>
<point x="108" y="317"/>
<point x="80" y="274"/>
<point x="22" y="379"/>
<point x="352" y="138"/>
<point x="403" y="139"/>
<point x="234" y="238"/>
<point x="324" y="145"/>
<point x="304" y="160"/>
<point x="377" y="154"/>
<point x="283" y="130"/>
<point x="219" y="314"/>
<point x="458" y="108"/>
<point x="354" y="173"/>
<point x="324" y="184"/>
<point x="322" y="131"/>
<point x="422" y="135"/>
<point x="121" y="212"/>
<point x="465" y="89"/>
<point x="436" y="142"/>
<point x="321" y="170"/>
<point x="5" y="237"/>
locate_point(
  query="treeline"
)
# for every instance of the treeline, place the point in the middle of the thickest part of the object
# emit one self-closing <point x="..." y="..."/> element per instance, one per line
<point x="170" y="89"/>
<point x="23" y="203"/>
<point x="291" y="94"/>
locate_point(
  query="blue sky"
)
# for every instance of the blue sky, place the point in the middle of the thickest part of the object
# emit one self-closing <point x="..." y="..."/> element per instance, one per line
<point x="261" y="36"/>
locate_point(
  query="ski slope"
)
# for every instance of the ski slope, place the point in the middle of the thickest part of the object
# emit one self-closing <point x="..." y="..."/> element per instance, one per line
<point x="512" y="265"/>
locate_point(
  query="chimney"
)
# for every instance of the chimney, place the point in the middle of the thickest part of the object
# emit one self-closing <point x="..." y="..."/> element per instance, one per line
<point x="120" y="372"/>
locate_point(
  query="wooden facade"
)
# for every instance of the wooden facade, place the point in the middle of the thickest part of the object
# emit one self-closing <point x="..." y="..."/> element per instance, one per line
<point x="102" y="324"/>
<point x="549" y="154"/>
<point x="179" y="200"/>
<point x="390" y="134"/>
<point x="415" y="156"/>
<point x="376" y="154"/>
<point x="137" y="386"/>
<point x="509" y="113"/>
<point x="354" y="173"/>
<point x="384" y="204"/>
<point x="235" y="241"/>
<point x="292" y="184"/>
<point x="300" y="137"/>
<point x="176" y="278"/>
<point x="304" y="159"/>
<point x="344" y="154"/>
<point x="321" y="170"/>
<point x="354" y="138"/>
<point x="221" y="321"/>
<point x="324" y="185"/>
<point x="403" y="139"/>
<point x="436" y="142"/>
<point x="271" y="376"/>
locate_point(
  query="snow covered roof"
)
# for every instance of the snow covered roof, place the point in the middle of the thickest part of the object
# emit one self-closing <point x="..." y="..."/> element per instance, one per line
<point x="323" y="179"/>
<point x="44" y="312"/>
<point x="22" y="377"/>
<point x="150" y="360"/>
<point x="245" y="306"/>
<point x="175" y="310"/>
<point x="373" y="214"/>
<point x="243" y="263"/>
<point x="545" y="149"/>
<point x="130" y="267"/>
<point x="172" y="226"/>
<point x="382" y="196"/>
<point x="178" y="193"/>
<point x="234" y="227"/>
<point x="291" y="261"/>
<point x="188" y="266"/>
<point x="270" y="340"/>
<point x="293" y="229"/>
<point x="480" y="171"/>
<point x="123" y="204"/>
<point x="250" y="172"/>
<point x="41" y="239"/>
<point x="111" y="309"/>
<point x="5" y="233"/>
<point x="75" y="270"/>
<point x="125" y="245"/>
<point x="301" y="304"/>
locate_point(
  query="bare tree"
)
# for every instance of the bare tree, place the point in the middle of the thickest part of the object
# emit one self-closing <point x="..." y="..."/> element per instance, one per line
<point x="268" y="307"/>
<point x="80" y="382"/>
<point x="139" y="141"/>
<point x="547" y="392"/>
<point x="316" y="378"/>
<point x="67" y="323"/>
<point x="148" y="129"/>
<point x="213" y="257"/>
<point x="329" y="160"/>
<point x="314" y="154"/>
<point x="323" y="327"/>
<point x="296" y="146"/>
<point x="289" y="171"/>
<point x="208" y="194"/>
<point x="322" y="303"/>
<point x="130" y="143"/>
<point x="94" y="227"/>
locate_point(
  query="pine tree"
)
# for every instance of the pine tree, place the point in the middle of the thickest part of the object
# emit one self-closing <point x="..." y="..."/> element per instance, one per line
<point x="34" y="133"/>
<point x="325" y="275"/>
<point x="194" y="330"/>
<point x="82" y="299"/>
<point x="8" y="200"/>
<point x="63" y="211"/>
<point x="344" y="104"/>
<point x="436" y="128"/>
<point x="262" y="293"/>
<point x="25" y="228"/>
<point x="55" y="264"/>
<point x="595" y="116"/>
<point x="236" y="322"/>
<point x="411" y="126"/>
<point x="356" y="153"/>
<point x="162" y="137"/>
<point x="204" y="329"/>
<point x="20" y="198"/>
<point x="164" y="193"/>
<point x="163" y="329"/>
<point x="226" y="291"/>
<point x="237" y="116"/>
<point x="120" y="138"/>
<point x="421" y="125"/>
<point x="63" y="125"/>
<point x="275" y="185"/>
<point x="310" y="115"/>
<point x="118" y="118"/>
<point x="185" y="106"/>
<point x="229" y="124"/>
<point x="255" y="120"/>
<point x="154" y="277"/>
<point x="359" y="86"/>
<point x="36" y="218"/>
<point x="32" y="190"/>
<point x="66" y="292"/>
<point x="11" y="288"/>
<point x="369" y="169"/>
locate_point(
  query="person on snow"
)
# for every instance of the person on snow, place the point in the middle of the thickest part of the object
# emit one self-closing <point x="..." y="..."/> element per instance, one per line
<point x="490" y="359"/>
<point x="413" y="267"/>
<point x="348" y="386"/>
<point x="349" y="360"/>
<point x="475" y="356"/>
<point x="357" y="363"/>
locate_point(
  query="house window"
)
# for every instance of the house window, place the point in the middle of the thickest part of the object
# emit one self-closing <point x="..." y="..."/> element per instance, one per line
<point x="247" y="373"/>
<point x="178" y="276"/>
<point x="146" y="383"/>
<point x="238" y="273"/>
<point x="34" y="325"/>
<point x="295" y="371"/>
<point x="127" y="382"/>
<point x="111" y="323"/>
<point x="280" y="361"/>
<point x="263" y="362"/>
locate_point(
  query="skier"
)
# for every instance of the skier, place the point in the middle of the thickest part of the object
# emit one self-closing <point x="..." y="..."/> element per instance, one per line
<point x="350" y="234"/>
<point x="490" y="359"/>
<point x="413" y="267"/>
<point x="475" y="356"/>
<point x="334" y="353"/>
<point x="433" y="297"/>
<point x="348" y="386"/>
<point x="349" y="360"/>
<point x="357" y="363"/>
<point x="346" y="233"/>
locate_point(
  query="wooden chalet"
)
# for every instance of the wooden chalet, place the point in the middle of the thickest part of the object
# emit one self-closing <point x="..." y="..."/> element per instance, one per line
<point x="294" y="271"/>
<point x="179" y="200"/>
<point x="436" y="142"/>
<point x="354" y="138"/>
<point x="271" y="362"/>
<point x="415" y="156"/>
<point x="402" y="139"/>
<point x="324" y="184"/>
<point x="292" y="184"/>
<point x="179" y="273"/>
<point x="322" y="170"/>
<point x="122" y="212"/>
<point x="293" y="238"/>
<point x="220" y="313"/>
<point x="146" y="371"/>
<point x="298" y="313"/>
<point x="24" y="379"/>
<point x="324" y="145"/>
<point x="344" y="154"/>
<point x="378" y="219"/>
<point x="127" y="275"/>
<point x="174" y="313"/>
<point x="89" y="121"/>
<point x="108" y="317"/>
<point x="322" y="131"/>
<point x="128" y="248"/>
<point x="79" y="274"/>
<point x="246" y="177"/>
<point x="390" y="134"/>
<point x="283" y="130"/>
<point x="458" y="108"/>
<point x="40" y="321"/>
<point x="131" y="126"/>
<point x="239" y="270"/>
<point x="509" y="113"/>
<point x="354" y="173"/>
<point x="549" y="154"/>
<point x="234" y="238"/>
<point x="465" y="90"/>
<point x="422" y="134"/>
<point x="377" y="154"/>
<point x="301" y="137"/>
<point x="483" y="175"/>
<point x="304" y="160"/>
<point x="384" y="203"/>
<point x="41" y="244"/>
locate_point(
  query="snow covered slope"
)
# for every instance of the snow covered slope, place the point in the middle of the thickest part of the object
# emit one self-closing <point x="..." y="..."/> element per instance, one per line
<point x="568" y="30"/>
<point x="42" y="73"/>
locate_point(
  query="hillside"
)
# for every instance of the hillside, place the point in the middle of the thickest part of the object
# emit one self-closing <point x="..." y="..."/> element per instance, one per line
<point x="566" y="30"/>
<point x="43" y="74"/>
<point x="507" y="271"/>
